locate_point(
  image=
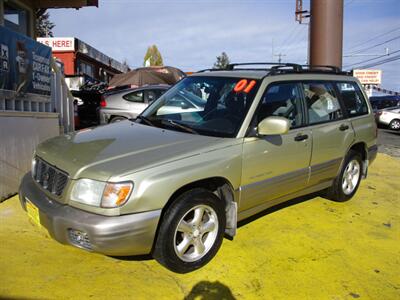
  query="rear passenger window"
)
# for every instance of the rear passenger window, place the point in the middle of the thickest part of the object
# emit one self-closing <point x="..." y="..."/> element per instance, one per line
<point x="282" y="100"/>
<point x="353" y="99"/>
<point x="134" y="96"/>
<point x="322" y="103"/>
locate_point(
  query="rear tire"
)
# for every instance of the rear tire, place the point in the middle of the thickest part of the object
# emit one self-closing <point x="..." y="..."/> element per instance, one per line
<point x="191" y="231"/>
<point x="347" y="182"/>
<point x="117" y="119"/>
<point x="394" y="124"/>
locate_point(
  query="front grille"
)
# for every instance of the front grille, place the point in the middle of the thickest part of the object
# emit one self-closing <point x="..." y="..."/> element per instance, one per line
<point x="48" y="177"/>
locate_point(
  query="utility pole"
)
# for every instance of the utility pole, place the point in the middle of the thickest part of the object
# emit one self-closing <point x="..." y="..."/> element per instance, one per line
<point x="280" y="57"/>
<point x="300" y="13"/>
<point x="326" y="33"/>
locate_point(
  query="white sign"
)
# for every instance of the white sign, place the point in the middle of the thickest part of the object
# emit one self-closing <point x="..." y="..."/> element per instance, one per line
<point x="59" y="43"/>
<point x="368" y="76"/>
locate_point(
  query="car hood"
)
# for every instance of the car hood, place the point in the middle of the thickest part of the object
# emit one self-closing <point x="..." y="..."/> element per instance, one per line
<point x="121" y="148"/>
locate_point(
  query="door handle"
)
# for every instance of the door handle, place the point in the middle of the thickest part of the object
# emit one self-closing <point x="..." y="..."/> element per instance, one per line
<point x="343" y="127"/>
<point x="301" y="137"/>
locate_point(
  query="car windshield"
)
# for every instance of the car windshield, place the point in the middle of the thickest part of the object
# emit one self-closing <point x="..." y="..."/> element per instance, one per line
<point x="206" y="105"/>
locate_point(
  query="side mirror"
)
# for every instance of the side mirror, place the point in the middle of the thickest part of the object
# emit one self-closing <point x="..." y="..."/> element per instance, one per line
<point x="273" y="126"/>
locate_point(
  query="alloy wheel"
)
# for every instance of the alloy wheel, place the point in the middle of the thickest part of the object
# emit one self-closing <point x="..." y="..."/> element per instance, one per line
<point x="351" y="176"/>
<point x="196" y="233"/>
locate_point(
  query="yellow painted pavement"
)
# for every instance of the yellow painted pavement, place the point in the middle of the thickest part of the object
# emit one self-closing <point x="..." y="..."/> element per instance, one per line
<point x="313" y="249"/>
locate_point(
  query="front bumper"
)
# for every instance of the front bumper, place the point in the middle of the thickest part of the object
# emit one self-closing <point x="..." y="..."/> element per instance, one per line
<point x="117" y="235"/>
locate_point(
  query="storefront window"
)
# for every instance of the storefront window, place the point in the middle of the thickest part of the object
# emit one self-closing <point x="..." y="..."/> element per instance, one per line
<point x="16" y="18"/>
<point x="85" y="68"/>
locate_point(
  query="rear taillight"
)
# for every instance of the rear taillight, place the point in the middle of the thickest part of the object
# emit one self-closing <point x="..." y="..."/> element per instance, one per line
<point x="103" y="102"/>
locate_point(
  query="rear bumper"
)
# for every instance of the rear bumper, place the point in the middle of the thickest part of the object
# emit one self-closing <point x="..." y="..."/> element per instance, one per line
<point x="117" y="235"/>
<point x="105" y="115"/>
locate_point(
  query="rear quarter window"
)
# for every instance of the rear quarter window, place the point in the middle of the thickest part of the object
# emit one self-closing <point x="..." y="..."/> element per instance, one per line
<point x="353" y="99"/>
<point x="136" y="96"/>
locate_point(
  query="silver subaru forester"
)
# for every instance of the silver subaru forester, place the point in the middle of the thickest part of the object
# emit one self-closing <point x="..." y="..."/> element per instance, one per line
<point x="174" y="181"/>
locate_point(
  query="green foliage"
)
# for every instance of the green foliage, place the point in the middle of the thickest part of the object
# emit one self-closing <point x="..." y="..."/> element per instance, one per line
<point x="44" y="25"/>
<point x="153" y="57"/>
<point x="222" y="61"/>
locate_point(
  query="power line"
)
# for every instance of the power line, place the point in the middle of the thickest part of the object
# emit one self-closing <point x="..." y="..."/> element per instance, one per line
<point x="367" y="60"/>
<point x="289" y="37"/>
<point x="374" y="38"/>
<point x="374" y="46"/>
<point x="394" y="58"/>
<point x="348" y="3"/>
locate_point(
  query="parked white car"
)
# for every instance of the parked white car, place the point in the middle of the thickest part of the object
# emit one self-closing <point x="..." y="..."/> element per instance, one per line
<point x="390" y="117"/>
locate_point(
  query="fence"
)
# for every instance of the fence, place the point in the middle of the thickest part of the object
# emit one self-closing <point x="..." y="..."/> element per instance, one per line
<point x="25" y="121"/>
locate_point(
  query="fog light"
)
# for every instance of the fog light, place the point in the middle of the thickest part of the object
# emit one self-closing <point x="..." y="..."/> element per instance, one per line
<point x="79" y="238"/>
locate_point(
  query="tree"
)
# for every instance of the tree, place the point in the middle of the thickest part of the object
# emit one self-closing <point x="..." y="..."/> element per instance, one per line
<point x="43" y="24"/>
<point x="153" y="57"/>
<point x="222" y="61"/>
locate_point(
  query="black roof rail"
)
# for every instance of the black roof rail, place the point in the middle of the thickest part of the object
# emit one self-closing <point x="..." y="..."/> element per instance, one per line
<point x="282" y="68"/>
<point x="273" y="64"/>
<point x="209" y="70"/>
<point x="333" y="69"/>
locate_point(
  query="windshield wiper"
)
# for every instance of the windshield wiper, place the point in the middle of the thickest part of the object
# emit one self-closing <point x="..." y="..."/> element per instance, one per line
<point x="175" y="124"/>
<point x="145" y="119"/>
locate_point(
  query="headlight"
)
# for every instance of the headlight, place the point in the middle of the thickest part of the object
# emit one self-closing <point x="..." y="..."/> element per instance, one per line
<point x="33" y="167"/>
<point x="97" y="193"/>
<point x="88" y="191"/>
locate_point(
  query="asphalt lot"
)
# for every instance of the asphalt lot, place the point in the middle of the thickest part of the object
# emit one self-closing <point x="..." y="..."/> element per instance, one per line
<point x="309" y="248"/>
<point x="389" y="142"/>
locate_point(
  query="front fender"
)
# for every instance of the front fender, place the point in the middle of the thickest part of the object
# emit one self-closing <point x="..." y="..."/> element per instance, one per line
<point x="154" y="187"/>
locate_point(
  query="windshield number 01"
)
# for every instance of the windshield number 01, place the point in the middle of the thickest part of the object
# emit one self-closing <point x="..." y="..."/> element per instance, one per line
<point x="244" y="86"/>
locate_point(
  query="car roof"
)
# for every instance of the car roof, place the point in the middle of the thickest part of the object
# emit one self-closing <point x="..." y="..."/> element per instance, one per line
<point x="239" y="70"/>
<point x="260" y="74"/>
<point x="143" y="87"/>
<point x="254" y="74"/>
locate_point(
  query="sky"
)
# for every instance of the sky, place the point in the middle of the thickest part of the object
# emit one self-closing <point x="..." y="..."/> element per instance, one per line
<point x="190" y="34"/>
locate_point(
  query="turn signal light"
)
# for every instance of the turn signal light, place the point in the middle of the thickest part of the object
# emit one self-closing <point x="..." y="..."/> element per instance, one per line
<point x="116" y="194"/>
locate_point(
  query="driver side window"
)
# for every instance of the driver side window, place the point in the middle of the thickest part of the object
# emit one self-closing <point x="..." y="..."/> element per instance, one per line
<point x="282" y="100"/>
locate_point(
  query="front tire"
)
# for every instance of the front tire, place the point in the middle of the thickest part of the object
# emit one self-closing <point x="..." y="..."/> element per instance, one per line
<point x="347" y="182"/>
<point x="191" y="231"/>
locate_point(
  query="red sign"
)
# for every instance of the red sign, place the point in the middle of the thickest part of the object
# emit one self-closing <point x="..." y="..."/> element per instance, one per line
<point x="59" y="44"/>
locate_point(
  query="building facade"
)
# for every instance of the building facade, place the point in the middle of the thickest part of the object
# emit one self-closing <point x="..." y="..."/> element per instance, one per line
<point x="82" y="62"/>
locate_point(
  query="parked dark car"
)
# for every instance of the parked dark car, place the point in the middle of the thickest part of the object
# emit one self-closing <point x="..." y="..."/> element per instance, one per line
<point x="381" y="102"/>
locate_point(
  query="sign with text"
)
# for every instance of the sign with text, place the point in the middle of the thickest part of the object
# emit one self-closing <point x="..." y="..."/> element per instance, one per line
<point x="59" y="43"/>
<point x="368" y="76"/>
<point x="24" y="64"/>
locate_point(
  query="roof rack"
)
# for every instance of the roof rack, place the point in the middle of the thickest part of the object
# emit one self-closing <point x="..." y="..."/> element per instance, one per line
<point x="273" y="64"/>
<point x="232" y="67"/>
<point x="281" y="68"/>
<point x="321" y="67"/>
<point x="209" y="70"/>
